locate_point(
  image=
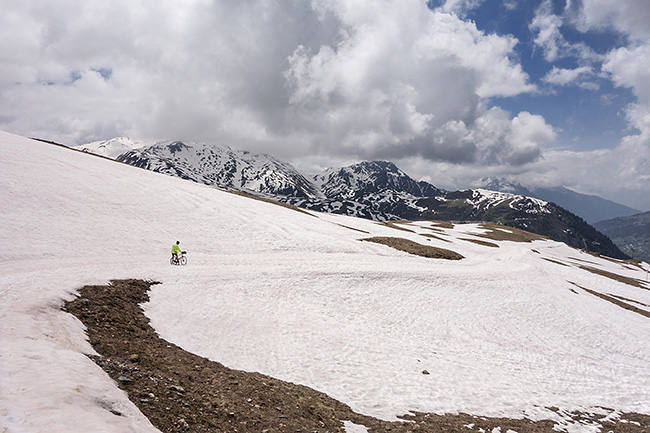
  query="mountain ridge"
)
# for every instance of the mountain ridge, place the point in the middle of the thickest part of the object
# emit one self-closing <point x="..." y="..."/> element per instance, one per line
<point x="376" y="190"/>
<point x="589" y="207"/>
<point x="631" y="233"/>
<point x="221" y="166"/>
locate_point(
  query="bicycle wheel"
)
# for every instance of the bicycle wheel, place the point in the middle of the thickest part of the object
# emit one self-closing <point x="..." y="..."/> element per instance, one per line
<point x="172" y="262"/>
<point x="183" y="260"/>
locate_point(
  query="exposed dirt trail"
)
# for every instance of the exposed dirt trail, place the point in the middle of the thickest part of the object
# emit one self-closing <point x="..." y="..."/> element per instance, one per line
<point x="181" y="392"/>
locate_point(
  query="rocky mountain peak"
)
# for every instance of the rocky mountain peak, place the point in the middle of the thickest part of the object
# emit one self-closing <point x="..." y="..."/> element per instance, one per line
<point x="370" y="177"/>
<point x="376" y="190"/>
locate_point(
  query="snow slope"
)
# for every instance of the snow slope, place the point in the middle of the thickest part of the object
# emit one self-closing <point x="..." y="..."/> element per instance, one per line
<point x="507" y="331"/>
<point x="112" y="148"/>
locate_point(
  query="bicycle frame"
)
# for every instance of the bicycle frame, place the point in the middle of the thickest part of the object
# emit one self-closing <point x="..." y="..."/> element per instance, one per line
<point x="178" y="259"/>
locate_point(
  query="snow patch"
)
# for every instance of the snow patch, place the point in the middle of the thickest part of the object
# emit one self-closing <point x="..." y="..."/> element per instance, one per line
<point x="351" y="427"/>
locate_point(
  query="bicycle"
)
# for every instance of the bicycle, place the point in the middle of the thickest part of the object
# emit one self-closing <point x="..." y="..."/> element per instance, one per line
<point x="178" y="259"/>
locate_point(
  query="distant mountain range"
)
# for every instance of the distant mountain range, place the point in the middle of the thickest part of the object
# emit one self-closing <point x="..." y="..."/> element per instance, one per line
<point x="630" y="233"/>
<point x="589" y="207"/>
<point x="376" y="190"/>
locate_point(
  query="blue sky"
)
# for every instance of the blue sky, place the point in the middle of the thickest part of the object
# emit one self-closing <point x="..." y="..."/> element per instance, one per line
<point x="585" y="118"/>
<point x="542" y="92"/>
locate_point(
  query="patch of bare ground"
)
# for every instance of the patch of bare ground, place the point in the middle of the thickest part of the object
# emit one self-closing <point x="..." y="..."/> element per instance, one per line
<point x="616" y="301"/>
<point x="426" y="235"/>
<point x="557" y="262"/>
<point x="434" y="230"/>
<point x="352" y="228"/>
<point x="415" y="248"/>
<point x="182" y="392"/>
<point x="625" y="423"/>
<point x="616" y="277"/>
<point x="498" y="232"/>
<point x="631" y="264"/>
<point x="393" y="225"/>
<point x="582" y="260"/>
<point x="442" y="224"/>
<point x="623" y="262"/>
<point x="623" y="298"/>
<point x="476" y="241"/>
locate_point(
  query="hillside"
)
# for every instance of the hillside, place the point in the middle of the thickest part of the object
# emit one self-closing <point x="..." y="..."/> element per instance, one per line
<point x="517" y="211"/>
<point x="631" y="234"/>
<point x="376" y="190"/>
<point x="589" y="207"/>
<point x="518" y="329"/>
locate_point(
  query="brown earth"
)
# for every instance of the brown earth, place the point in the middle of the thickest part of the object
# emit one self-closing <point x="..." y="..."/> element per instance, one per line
<point x="502" y="233"/>
<point x="620" y="278"/>
<point x="415" y="248"/>
<point x="616" y="300"/>
<point x="181" y="392"/>
<point x="483" y="243"/>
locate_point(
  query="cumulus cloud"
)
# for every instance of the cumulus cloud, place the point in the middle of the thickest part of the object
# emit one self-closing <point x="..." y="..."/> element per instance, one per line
<point x="394" y="84"/>
<point x="190" y="69"/>
<point x="546" y="26"/>
<point x="626" y="168"/>
<point x="626" y="164"/>
<point x="630" y="17"/>
<point x="494" y="139"/>
<point x="460" y="7"/>
<point x="581" y="76"/>
<point x="627" y="67"/>
<point x="335" y="78"/>
<point x="322" y="82"/>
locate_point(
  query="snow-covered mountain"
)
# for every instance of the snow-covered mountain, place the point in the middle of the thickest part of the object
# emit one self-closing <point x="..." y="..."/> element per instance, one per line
<point x="589" y="207"/>
<point x="112" y="148"/>
<point x="380" y="191"/>
<point x="209" y="164"/>
<point x="222" y="166"/>
<point x="366" y="178"/>
<point x="371" y="190"/>
<point x="521" y="327"/>
<point x="376" y="190"/>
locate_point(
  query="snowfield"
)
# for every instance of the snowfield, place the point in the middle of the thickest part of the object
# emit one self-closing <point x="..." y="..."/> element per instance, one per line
<point x="508" y="331"/>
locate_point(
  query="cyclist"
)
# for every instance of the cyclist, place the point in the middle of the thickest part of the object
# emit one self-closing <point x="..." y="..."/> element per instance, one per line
<point x="176" y="250"/>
